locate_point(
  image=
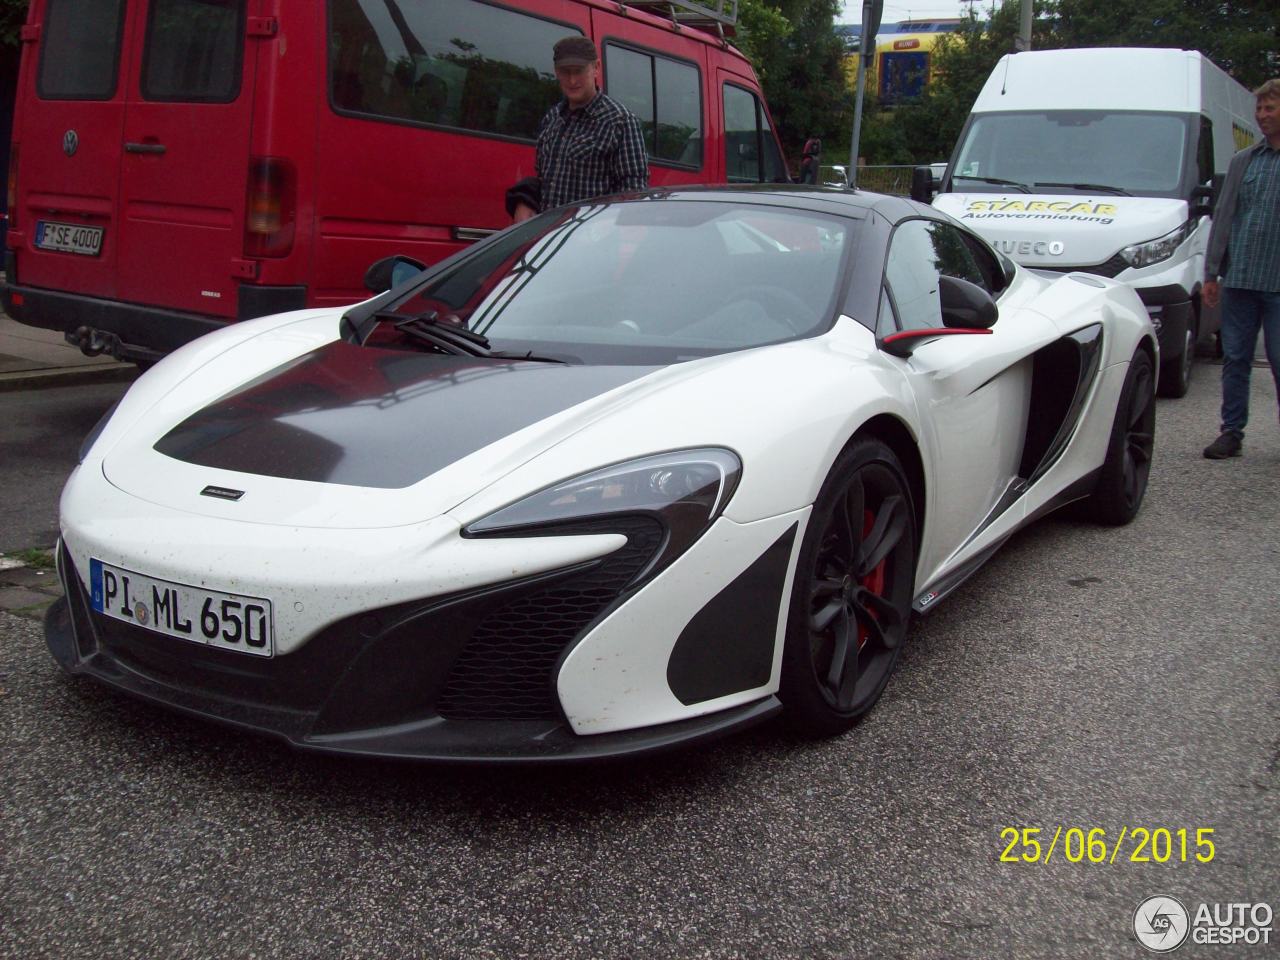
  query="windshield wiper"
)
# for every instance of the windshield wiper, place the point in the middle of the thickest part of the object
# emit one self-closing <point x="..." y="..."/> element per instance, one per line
<point x="1100" y="187"/>
<point x="995" y="180"/>
<point x="528" y="355"/>
<point x="449" y="337"/>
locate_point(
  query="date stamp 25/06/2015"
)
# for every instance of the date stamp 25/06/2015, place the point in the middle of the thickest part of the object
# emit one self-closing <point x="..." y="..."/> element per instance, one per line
<point x="1077" y="844"/>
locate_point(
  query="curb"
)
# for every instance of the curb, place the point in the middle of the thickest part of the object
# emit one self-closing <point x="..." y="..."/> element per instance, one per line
<point x="64" y="376"/>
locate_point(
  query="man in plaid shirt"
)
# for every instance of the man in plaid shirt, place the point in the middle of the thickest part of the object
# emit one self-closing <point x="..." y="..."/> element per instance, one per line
<point x="1244" y="249"/>
<point x="588" y="143"/>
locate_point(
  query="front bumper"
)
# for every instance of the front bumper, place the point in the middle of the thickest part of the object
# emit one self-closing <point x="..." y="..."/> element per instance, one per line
<point x="368" y="686"/>
<point x="1171" y="314"/>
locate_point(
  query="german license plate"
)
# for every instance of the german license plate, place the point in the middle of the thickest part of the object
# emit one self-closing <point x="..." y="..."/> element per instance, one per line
<point x="217" y="619"/>
<point x="69" y="237"/>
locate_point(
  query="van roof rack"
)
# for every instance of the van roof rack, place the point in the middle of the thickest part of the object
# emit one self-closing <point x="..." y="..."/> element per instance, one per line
<point x="712" y="15"/>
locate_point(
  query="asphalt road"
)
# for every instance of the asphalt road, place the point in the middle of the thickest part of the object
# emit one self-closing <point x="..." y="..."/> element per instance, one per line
<point x="40" y="435"/>
<point x="1086" y="677"/>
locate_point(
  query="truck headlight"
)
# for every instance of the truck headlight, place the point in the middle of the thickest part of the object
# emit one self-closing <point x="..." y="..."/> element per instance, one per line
<point x="1153" y="251"/>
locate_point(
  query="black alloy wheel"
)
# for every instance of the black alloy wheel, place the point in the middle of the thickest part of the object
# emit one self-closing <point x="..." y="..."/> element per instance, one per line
<point x="851" y="601"/>
<point x="1123" y="481"/>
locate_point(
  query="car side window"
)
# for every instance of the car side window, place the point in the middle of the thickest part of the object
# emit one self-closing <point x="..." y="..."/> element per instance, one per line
<point x="919" y="252"/>
<point x="887" y="321"/>
<point x="992" y="273"/>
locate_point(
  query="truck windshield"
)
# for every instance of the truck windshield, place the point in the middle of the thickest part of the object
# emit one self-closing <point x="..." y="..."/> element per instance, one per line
<point x="1074" y="151"/>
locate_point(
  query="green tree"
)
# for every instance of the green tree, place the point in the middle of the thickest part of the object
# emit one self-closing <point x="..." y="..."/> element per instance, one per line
<point x="1241" y="37"/>
<point x="13" y="14"/>
<point x="798" y="57"/>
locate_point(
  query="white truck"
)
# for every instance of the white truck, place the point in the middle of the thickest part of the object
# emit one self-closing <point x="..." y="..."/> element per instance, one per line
<point x="1103" y="161"/>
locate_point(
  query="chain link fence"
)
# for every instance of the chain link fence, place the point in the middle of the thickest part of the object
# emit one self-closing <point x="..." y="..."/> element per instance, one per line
<point x="894" y="179"/>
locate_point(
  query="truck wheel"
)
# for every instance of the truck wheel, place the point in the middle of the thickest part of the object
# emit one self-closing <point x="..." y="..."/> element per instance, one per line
<point x="1175" y="373"/>
<point x="1123" y="481"/>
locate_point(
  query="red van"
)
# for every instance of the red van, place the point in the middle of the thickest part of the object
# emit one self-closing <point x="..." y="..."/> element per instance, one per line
<point x="180" y="164"/>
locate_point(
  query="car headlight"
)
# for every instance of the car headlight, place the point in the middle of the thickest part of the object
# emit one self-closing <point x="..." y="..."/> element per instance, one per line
<point x="685" y="490"/>
<point x="1153" y="251"/>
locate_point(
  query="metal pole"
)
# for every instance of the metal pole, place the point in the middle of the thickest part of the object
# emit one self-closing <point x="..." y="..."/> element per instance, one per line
<point x="1023" y="42"/>
<point x="871" y="12"/>
<point x="857" y="121"/>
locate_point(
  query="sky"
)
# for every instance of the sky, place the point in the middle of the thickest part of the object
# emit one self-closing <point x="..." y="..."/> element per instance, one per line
<point x="895" y="10"/>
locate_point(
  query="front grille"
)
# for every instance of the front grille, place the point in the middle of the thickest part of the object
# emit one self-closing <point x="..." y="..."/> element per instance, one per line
<point x="1109" y="269"/>
<point x="505" y="670"/>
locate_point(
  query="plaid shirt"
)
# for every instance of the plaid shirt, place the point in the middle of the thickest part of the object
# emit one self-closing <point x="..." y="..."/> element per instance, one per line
<point x="1254" y="248"/>
<point x="584" y="153"/>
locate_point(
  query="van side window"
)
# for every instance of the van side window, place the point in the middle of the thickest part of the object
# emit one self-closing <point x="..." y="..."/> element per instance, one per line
<point x="665" y="95"/>
<point x="193" y="50"/>
<point x="452" y="63"/>
<point x="1204" y="152"/>
<point x="80" y="52"/>
<point x="750" y="151"/>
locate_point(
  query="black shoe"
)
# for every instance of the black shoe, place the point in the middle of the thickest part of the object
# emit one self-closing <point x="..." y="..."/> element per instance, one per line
<point x="1227" y="445"/>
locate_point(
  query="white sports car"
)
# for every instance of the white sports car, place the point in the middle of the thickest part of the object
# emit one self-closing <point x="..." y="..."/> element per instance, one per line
<point x="630" y="474"/>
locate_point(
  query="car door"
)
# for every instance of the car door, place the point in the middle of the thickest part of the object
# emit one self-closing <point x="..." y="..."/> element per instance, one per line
<point x="972" y="392"/>
<point x="750" y="149"/>
<point x="185" y="163"/>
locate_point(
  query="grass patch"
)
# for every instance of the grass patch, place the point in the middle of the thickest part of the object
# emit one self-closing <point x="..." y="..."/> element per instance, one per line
<point x="40" y="559"/>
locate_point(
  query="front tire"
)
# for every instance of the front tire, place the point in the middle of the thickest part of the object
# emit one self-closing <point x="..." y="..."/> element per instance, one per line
<point x="1123" y="481"/>
<point x="851" y="600"/>
<point x="1175" y="373"/>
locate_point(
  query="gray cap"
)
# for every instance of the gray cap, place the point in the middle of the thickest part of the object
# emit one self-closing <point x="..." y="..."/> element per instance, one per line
<point x="574" y="51"/>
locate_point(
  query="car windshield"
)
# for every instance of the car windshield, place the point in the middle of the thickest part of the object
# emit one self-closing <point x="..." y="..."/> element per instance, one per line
<point x="1074" y="151"/>
<point x="645" y="281"/>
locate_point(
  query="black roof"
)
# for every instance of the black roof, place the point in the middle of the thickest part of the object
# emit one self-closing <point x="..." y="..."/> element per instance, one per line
<point x="836" y="200"/>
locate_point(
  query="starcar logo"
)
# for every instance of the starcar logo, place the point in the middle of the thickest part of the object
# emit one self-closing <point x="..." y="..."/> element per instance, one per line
<point x="221" y="493"/>
<point x="70" y="142"/>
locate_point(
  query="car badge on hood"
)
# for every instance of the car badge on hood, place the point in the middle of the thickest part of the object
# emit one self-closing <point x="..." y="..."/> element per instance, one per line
<point x="70" y="141"/>
<point x="222" y="493"/>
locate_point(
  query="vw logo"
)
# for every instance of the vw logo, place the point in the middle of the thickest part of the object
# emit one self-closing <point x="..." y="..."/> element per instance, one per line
<point x="70" y="141"/>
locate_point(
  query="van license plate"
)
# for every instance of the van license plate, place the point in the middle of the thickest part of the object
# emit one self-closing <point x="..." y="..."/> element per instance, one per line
<point x="180" y="610"/>
<point x="69" y="238"/>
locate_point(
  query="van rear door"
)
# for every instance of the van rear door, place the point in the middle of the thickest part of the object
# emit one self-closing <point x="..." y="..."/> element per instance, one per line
<point x="185" y="161"/>
<point x="69" y="148"/>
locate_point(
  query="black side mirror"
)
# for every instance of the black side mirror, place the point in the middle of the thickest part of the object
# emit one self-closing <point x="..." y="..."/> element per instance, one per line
<point x="923" y="186"/>
<point x="1205" y="197"/>
<point x="966" y="305"/>
<point x="390" y="272"/>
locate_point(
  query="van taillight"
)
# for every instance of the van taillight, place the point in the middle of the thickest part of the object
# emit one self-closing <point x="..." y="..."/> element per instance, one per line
<point x="270" y="211"/>
<point x="13" y="186"/>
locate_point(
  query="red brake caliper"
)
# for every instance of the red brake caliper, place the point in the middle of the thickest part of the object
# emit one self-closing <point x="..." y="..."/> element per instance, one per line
<point x="873" y="581"/>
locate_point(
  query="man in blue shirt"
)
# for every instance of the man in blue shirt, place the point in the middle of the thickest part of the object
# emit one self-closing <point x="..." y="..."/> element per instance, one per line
<point x="1244" y="250"/>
